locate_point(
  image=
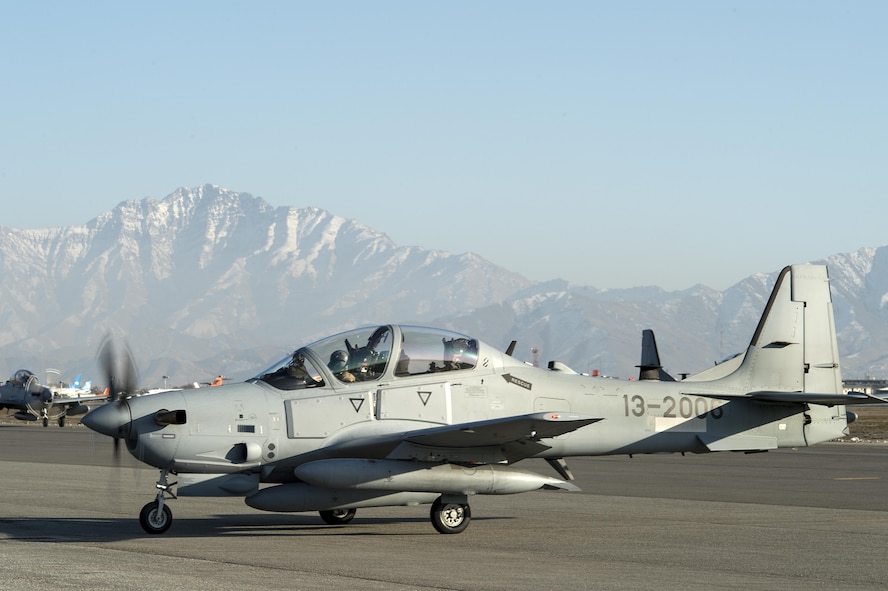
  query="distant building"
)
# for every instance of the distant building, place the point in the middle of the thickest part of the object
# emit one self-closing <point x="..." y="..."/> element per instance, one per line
<point x="867" y="386"/>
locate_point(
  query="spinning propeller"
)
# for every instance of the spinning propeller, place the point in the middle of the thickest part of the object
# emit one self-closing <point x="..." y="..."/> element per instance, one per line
<point x="119" y="369"/>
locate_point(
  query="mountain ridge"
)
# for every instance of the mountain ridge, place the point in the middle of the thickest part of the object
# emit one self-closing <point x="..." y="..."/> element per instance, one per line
<point x="209" y="281"/>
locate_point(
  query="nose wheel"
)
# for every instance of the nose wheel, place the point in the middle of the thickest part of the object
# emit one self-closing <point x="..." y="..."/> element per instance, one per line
<point x="156" y="517"/>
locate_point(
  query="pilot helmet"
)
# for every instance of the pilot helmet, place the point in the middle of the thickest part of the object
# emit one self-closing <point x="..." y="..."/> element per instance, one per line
<point x="22" y="376"/>
<point x="338" y="360"/>
<point x="461" y="350"/>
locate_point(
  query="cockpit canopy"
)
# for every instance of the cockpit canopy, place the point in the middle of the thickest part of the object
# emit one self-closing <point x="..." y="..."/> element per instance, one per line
<point x="21" y="377"/>
<point x="366" y="354"/>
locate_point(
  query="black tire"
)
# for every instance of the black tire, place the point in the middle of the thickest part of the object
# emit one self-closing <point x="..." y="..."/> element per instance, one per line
<point x="450" y="518"/>
<point x="154" y="522"/>
<point x="62" y="421"/>
<point x="45" y="422"/>
<point x="338" y="516"/>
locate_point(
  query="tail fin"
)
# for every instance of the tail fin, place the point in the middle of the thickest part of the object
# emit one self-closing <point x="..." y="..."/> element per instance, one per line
<point x="794" y="346"/>
<point x="650" y="368"/>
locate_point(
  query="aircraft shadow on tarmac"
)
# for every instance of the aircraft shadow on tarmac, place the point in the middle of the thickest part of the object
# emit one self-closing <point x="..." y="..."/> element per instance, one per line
<point x="74" y="530"/>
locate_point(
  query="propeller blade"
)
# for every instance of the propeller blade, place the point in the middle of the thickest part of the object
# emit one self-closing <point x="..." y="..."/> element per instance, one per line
<point x="119" y="369"/>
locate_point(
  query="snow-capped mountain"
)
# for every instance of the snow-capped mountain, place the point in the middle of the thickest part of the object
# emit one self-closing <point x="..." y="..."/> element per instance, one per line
<point x="209" y="281"/>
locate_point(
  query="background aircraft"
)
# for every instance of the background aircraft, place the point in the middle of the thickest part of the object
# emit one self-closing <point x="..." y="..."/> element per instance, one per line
<point x="217" y="381"/>
<point x="34" y="401"/>
<point x="650" y="368"/>
<point x="402" y="415"/>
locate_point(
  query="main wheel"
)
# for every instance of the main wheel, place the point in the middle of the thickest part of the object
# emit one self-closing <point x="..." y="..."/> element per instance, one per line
<point x="338" y="516"/>
<point x="154" y="521"/>
<point x="62" y="421"/>
<point x="450" y="518"/>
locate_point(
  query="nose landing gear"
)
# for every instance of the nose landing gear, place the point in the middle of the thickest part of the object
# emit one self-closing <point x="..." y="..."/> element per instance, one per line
<point x="156" y="517"/>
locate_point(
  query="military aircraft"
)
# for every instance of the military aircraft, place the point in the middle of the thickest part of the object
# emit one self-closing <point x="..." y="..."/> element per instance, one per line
<point x="404" y="415"/>
<point x="34" y="401"/>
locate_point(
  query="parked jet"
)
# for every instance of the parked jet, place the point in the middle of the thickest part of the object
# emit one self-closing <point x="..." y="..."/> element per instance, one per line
<point x="34" y="401"/>
<point x="402" y="415"/>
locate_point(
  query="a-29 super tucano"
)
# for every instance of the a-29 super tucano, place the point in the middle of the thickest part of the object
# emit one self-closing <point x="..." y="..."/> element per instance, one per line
<point x="402" y="415"/>
<point x="34" y="401"/>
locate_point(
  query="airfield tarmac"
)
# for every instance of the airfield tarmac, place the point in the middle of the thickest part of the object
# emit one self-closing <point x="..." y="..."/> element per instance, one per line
<point x="813" y="518"/>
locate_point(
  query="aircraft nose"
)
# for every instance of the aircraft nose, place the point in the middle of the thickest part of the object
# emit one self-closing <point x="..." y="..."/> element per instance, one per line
<point x="111" y="419"/>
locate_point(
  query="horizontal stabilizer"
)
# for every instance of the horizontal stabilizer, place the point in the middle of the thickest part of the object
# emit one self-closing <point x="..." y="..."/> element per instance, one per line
<point x="814" y="398"/>
<point x="852" y="398"/>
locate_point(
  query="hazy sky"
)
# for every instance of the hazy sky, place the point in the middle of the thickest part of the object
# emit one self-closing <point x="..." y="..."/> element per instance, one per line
<point x="613" y="144"/>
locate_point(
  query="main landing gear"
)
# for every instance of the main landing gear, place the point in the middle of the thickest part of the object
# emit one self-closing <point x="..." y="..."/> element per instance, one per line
<point x="44" y="418"/>
<point x="156" y="517"/>
<point x="337" y="516"/>
<point x="450" y="514"/>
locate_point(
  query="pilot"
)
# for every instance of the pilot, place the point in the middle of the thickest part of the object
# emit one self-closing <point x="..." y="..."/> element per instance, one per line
<point x="293" y="376"/>
<point x="460" y="353"/>
<point x="21" y="377"/>
<point x="339" y="366"/>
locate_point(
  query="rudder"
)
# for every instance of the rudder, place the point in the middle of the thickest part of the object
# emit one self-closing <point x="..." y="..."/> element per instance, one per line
<point x="822" y="372"/>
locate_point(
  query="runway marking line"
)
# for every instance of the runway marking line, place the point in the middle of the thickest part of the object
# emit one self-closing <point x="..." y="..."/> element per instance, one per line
<point x="859" y="478"/>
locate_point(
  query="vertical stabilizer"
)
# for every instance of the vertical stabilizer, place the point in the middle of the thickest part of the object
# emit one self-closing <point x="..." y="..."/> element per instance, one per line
<point x="650" y="367"/>
<point x="794" y="346"/>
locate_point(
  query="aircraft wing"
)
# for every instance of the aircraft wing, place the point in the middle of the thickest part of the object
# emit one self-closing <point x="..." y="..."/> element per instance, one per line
<point x="491" y="441"/>
<point x="531" y="427"/>
<point x="78" y="399"/>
